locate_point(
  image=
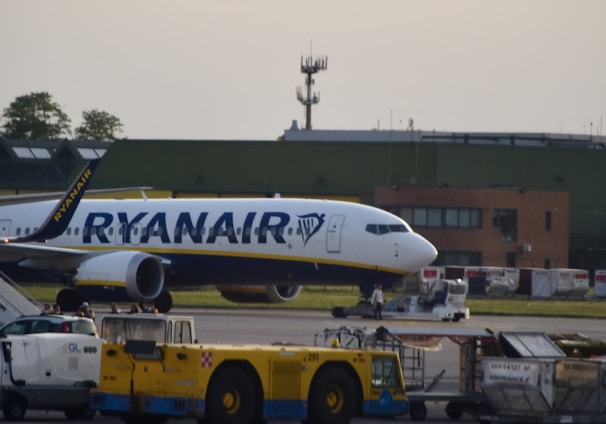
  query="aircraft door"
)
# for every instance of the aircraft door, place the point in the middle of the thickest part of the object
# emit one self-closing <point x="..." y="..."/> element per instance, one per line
<point x="5" y="227"/>
<point x="333" y="233"/>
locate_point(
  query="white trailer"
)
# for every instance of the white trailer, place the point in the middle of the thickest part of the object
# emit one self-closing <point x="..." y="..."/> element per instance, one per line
<point x="48" y="371"/>
<point x="546" y="390"/>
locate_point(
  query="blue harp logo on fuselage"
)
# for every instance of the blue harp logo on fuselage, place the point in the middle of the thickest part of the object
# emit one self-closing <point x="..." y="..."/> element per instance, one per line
<point x="309" y="225"/>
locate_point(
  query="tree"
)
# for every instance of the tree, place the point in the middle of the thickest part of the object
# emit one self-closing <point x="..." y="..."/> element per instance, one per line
<point x="35" y="116"/>
<point x="98" y="125"/>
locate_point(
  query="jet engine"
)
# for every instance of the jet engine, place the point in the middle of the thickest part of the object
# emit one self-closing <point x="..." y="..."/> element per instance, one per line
<point x="142" y="273"/>
<point x="259" y="294"/>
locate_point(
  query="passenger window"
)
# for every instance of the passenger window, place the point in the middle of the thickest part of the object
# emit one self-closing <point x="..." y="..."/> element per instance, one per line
<point x="39" y="327"/>
<point x="15" y="328"/>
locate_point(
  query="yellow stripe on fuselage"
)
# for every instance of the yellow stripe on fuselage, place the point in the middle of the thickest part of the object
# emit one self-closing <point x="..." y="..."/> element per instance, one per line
<point x="160" y="252"/>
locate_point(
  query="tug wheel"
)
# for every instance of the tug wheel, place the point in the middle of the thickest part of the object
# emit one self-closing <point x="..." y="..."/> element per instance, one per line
<point x="231" y="397"/>
<point x="331" y="397"/>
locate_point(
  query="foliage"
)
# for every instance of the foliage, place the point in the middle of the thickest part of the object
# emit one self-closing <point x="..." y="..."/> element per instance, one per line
<point x="35" y="116"/>
<point x="98" y="125"/>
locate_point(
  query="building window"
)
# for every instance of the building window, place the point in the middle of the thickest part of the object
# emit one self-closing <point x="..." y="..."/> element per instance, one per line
<point x="510" y="260"/>
<point x="548" y="221"/>
<point x="434" y="217"/>
<point x="459" y="258"/>
<point x="467" y="218"/>
<point x="419" y="217"/>
<point x="506" y="221"/>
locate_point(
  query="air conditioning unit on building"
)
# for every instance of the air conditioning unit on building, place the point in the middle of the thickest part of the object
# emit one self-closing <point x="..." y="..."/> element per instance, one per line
<point x="527" y="248"/>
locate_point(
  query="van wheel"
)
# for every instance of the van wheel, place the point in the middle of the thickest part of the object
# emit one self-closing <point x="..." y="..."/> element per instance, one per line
<point x="231" y="397"/>
<point x="331" y="397"/>
<point x="14" y="408"/>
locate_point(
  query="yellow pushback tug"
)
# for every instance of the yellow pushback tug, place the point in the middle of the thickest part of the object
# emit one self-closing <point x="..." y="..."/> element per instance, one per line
<point x="142" y="381"/>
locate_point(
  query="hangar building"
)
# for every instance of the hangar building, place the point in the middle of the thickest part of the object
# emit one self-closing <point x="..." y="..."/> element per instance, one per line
<point x="490" y="199"/>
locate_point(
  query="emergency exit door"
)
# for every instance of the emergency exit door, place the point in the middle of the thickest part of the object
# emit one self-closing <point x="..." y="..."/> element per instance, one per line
<point x="5" y="227"/>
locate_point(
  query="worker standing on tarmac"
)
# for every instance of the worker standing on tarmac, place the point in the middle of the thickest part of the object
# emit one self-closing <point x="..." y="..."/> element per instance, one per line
<point x="377" y="300"/>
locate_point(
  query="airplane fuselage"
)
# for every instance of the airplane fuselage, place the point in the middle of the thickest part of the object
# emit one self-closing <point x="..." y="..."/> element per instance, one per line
<point x="235" y="241"/>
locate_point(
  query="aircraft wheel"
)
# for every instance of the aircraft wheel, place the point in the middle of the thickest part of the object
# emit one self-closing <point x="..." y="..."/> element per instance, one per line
<point x="231" y="397"/>
<point x="331" y="397"/>
<point x="164" y="302"/>
<point x="14" y="408"/>
<point x="417" y="410"/>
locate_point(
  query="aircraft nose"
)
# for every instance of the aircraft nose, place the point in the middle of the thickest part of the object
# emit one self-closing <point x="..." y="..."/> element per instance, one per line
<point x="420" y="252"/>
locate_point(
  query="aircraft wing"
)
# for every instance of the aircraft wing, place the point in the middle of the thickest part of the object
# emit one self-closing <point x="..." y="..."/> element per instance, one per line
<point x="40" y="256"/>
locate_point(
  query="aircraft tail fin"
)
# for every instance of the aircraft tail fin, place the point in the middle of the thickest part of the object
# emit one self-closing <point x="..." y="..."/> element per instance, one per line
<point x="60" y="217"/>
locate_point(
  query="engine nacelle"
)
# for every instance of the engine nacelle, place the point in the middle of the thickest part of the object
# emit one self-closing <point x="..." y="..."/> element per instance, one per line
<point x="140" y="273"/>
<point x="259" y="294"/>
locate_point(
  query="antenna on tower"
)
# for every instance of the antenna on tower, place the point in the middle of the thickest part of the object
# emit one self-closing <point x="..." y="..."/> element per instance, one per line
<point x="310" y="66"/>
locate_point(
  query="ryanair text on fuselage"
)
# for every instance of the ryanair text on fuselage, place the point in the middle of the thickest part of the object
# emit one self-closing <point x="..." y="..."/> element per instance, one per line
<point x="256" y="227"/>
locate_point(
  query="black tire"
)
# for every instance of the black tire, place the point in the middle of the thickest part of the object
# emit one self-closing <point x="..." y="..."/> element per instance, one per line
<point x="332" y="397"/>
<point x="14" y="408"/>
<point x="72" y="414"/>
<point x="417" y="410"/>
<point x="337" y="312"/>
<point x="69" y="300"/>
<point x="455" y="410"/>
<point x="230" y="398"/>
<point x="87" y="414"/>
<point x="164" y="302"/>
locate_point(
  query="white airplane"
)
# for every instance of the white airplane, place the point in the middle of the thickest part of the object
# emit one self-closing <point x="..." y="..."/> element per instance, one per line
<point x="114" y="250"/>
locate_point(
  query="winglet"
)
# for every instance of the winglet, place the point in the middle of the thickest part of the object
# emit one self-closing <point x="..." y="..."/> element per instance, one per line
<point x="60" y="217"/>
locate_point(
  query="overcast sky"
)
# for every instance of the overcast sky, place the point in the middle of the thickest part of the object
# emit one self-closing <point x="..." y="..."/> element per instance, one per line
<point x="229" y="69"/>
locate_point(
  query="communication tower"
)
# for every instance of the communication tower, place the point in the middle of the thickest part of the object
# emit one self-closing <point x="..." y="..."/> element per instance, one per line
<point x="310" y="66"/>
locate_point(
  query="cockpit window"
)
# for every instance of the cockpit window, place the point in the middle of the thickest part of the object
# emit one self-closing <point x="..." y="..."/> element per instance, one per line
<point x="380" y="229"/>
